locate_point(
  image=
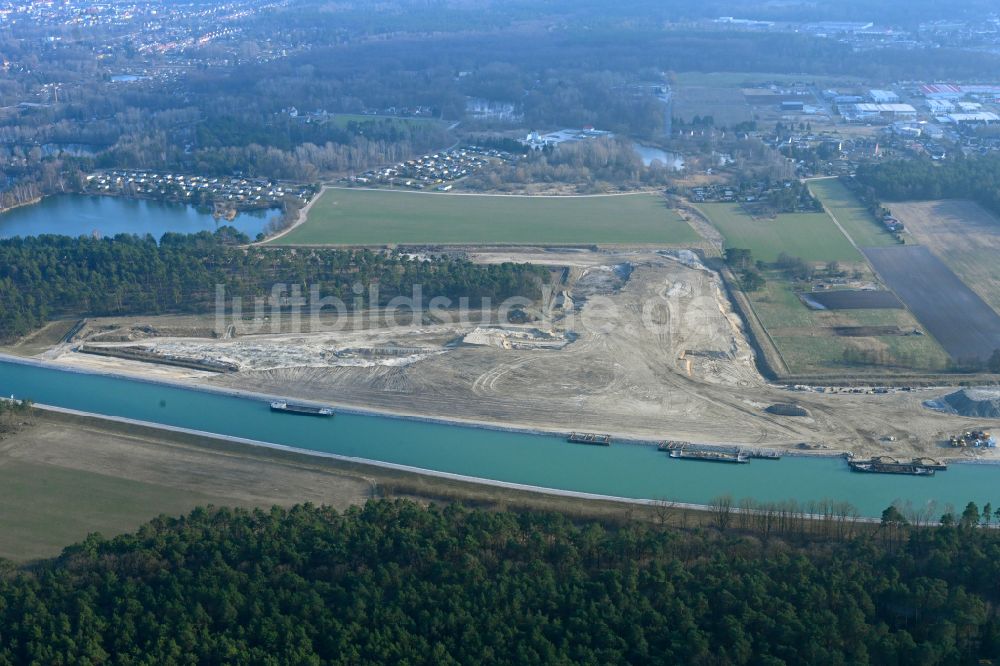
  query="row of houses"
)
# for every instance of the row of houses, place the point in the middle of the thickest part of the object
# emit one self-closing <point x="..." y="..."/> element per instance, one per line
<point x="439" y="169"/>
<point x="235" y="192"/>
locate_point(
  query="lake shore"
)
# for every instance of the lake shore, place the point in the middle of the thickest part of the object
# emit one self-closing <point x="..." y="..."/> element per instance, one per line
<point x="25" y="204"/>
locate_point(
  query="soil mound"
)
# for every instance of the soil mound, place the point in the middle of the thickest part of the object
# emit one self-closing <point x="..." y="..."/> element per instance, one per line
<point x="979" y="402"/>
<point x="786" y="409"/>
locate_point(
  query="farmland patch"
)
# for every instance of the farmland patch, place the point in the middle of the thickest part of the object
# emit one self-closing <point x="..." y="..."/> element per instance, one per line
<point x="857" y="220"/>
<point x="964" y="325"/>
<point x="964" y="235"/>
<point x="809" y="236"/>
<point x="385" y="217"/>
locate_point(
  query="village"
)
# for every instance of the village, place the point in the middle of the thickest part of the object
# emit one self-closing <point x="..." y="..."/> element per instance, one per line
<point x="438" y="170"/>
<point x="226" y="196"/>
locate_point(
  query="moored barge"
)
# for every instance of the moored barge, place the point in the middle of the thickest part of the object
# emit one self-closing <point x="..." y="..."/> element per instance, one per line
<point x="709" y="456"/>
<point x="882" y="466"/>
<point x="589" y="438"/>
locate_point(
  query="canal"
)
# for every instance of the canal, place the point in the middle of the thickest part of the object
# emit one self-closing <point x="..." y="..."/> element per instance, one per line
<point x="83" y="215"/>
<point x="622" y="470"/>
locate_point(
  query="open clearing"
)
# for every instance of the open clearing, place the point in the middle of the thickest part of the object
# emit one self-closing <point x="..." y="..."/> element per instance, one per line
<point x="726" y="106"/>
<point x="390" y="217"/>
<point x="809" y="236"/>
<point x="954" y="314"/>
<point x="963" y="235"/>
<point x="65" y="477"/>
<point x="747" y="79"/>
<point x="860" y="224"/>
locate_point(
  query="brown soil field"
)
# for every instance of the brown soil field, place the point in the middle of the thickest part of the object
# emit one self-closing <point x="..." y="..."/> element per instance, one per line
<point x="659" y="356"/>
<point x="954" y="314"/>
<point x="964" y="235"/>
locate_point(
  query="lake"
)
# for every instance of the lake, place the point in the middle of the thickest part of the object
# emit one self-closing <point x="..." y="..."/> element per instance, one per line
<point x="622" y="470"/>
<point x="650" y="155"/>
<point x="83" y="215"/>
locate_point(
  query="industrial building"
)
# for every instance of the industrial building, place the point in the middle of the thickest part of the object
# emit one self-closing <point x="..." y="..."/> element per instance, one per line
<point x="940" y="106"/>
<point x="884" y="112"/>
<point x="966" y="119"/>
<point x="883" y="96"/>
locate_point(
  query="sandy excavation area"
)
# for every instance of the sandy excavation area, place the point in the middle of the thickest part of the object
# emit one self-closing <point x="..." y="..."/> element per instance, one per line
<point x="639" y="344"/>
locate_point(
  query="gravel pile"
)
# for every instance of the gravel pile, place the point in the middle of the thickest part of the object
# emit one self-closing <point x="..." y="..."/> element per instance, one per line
<point x="786" y="409"/>
<point x="978" y="402"/>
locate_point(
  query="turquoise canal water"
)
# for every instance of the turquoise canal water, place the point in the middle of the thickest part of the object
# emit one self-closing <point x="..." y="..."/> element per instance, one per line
<point x="80" y="215"/>
<point x="622" y="470"/>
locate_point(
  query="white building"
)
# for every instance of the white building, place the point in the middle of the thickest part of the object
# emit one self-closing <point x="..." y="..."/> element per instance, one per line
<point x="883" y="96"/>
<point x="888" y="112"/>
<point x="980" y="118"/>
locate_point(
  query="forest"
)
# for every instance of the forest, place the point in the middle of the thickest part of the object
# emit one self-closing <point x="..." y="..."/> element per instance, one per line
<point x="597" y="165"/>
<point x="396" y="582"/>
<point x="975" y="178"/>
<point x="46" y="276"/>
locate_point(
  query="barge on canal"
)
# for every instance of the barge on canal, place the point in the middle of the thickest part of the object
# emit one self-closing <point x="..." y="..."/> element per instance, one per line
<point x="302" y="410"/>
<point x="589" y="438"/>
<point x="887" y="465"/>
<point x="710" y="456"/>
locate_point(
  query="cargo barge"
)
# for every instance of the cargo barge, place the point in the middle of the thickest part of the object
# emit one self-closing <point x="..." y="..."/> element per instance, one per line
<point x="930" y="463"/>
<point x="877" y="466"/>
<point x="304" y="410"/>
<point x="763" y="454"/>
<point x="589" y="438"/>
<point x="709" y="456"/>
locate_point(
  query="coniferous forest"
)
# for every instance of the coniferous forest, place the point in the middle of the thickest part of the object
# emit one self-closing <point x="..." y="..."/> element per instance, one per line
<point x="396" y="583"/>
<point x="47" y="276"/>
<point x="975" y="178"/>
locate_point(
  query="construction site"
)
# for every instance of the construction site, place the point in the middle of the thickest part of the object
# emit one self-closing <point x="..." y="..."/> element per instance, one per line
<point x="643" y="345"/>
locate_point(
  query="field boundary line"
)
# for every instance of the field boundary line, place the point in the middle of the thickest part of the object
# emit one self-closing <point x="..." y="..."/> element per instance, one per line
<point x="299" y="221"/>
<point x="826" y="209"/>
<point x="656" y="191"/>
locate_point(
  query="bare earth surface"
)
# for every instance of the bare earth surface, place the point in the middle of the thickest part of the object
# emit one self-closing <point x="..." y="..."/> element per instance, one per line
<point x="964" y="235"/>
<point x="655" y="354"/>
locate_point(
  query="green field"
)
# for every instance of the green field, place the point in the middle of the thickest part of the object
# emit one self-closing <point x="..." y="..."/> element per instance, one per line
<point x="809" y="236"/>
<point x="384" y="217"/>
<point x="860" y="224"/>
